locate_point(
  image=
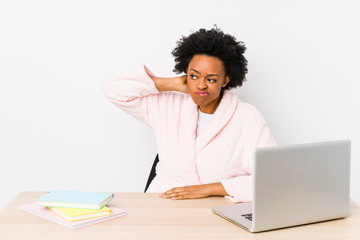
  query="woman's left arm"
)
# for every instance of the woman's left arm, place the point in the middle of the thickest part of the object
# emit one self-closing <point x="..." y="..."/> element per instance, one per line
<point x="237" y="189"/>
<point x="195" y="191"/>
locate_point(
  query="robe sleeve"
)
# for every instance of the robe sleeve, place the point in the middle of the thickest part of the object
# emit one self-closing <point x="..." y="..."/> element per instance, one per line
<point x="135" y="93"/>
<point x="240" y="188"/>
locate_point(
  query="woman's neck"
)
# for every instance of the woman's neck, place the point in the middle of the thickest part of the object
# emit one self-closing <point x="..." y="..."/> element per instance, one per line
<point x="211" y="107"/>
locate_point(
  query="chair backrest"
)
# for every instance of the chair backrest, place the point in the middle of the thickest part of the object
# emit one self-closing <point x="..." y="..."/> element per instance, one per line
<point x="152" y="172"/>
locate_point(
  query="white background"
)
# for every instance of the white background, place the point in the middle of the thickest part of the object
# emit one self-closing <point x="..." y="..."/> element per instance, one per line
<point x="58" y="131"/>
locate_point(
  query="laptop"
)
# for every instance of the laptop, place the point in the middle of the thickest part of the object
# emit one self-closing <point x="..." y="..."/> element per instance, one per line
<point x="295" y="185"/>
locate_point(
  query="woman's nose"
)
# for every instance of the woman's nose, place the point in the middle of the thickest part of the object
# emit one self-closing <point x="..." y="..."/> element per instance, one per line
<point x="201" y="84"/>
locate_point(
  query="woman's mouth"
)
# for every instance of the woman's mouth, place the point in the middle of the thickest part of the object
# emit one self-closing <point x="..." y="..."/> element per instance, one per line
<point x="202" y="94"/>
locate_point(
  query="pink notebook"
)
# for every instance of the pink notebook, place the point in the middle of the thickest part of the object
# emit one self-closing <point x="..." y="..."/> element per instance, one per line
<point x="44" y="212"/>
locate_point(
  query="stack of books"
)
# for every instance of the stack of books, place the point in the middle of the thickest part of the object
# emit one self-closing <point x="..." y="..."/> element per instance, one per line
<point x="74" y="209"/>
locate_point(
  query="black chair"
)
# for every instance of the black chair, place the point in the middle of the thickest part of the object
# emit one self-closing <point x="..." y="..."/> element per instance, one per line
<point x="152" y="172"/>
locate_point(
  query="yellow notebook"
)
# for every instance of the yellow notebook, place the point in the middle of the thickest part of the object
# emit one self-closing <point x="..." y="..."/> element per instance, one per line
<point x="74" y="214"/>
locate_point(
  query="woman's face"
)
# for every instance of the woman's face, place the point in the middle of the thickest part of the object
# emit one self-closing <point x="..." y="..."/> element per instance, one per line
<point x="206" y="77"/>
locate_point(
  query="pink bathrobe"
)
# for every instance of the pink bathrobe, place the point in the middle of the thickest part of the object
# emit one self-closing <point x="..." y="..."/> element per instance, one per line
<point x="223" y="152"/>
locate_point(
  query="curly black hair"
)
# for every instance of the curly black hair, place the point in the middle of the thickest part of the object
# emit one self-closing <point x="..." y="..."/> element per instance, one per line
<point x="213" y="43"/>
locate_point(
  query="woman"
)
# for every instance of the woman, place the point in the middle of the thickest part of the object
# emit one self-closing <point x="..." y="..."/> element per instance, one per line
<point x="206" y="136"/>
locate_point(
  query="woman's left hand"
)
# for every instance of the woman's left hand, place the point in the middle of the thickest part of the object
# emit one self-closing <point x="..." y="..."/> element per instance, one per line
<point x="195" y="191"/>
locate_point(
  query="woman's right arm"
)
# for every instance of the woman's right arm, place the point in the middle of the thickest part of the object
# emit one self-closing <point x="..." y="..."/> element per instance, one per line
<point x="177" y="84"/>
<point x="138" y="93"/>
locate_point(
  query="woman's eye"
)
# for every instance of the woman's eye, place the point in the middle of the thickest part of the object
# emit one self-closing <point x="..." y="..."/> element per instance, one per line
<point x="192" y="76"/>
<point x="211" y="80"/>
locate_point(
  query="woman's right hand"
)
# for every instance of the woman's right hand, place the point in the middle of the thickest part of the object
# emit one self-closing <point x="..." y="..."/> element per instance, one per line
<point x="182" y="84"/>
<point x="178" y="84"/>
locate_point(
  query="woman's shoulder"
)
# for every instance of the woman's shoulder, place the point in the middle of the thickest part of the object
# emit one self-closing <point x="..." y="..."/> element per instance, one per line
<point x="246" y="106"/>
<point x="231" y="97"/>
<point x="247" y="110"/>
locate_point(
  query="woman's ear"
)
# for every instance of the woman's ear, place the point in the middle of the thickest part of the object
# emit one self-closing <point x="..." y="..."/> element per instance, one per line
<point x="227" y="80"/>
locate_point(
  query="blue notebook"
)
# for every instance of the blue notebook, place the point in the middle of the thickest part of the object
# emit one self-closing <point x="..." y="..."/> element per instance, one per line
<point x="75" y="199"/>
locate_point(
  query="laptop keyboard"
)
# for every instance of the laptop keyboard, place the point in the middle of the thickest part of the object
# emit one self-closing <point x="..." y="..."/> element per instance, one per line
<point x="247" y="216"/>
